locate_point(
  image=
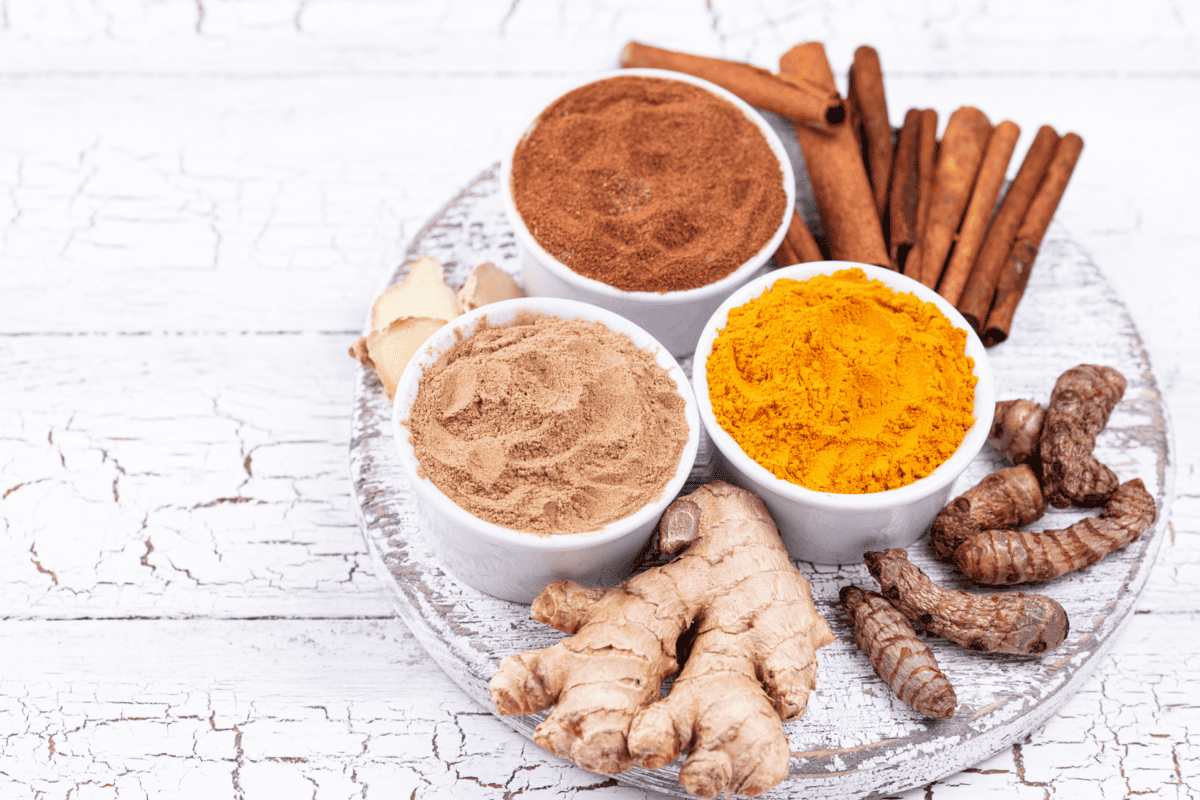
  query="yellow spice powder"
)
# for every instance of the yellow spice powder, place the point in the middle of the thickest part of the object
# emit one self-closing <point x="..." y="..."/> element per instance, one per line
<point x="842" y="384"/>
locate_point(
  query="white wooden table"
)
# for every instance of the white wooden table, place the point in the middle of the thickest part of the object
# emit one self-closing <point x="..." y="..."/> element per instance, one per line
<point x="198" y="201"/>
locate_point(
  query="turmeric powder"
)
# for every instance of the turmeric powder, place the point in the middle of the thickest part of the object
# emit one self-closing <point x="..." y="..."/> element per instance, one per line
<point x="842" y="384"/>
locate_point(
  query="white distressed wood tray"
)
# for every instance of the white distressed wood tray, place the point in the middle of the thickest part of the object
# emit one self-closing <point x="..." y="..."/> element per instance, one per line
<point x="857" y="738"/>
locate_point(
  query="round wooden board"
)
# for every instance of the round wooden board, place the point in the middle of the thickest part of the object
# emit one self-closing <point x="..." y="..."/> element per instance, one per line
<point x="857" y="738"/>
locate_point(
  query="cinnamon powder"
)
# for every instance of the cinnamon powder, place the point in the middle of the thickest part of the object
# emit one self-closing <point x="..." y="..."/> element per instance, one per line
<point x="553" y="426"/>
<point x="648" y="184"/>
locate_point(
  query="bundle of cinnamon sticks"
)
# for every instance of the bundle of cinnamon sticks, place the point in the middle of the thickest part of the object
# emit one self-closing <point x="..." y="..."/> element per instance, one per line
<point x="903" y="199"/>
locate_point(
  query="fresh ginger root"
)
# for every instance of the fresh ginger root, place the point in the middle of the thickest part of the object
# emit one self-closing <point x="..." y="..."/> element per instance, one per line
<point x="407" y="314"/>
<point x="898" y="656"/>
<point x="1004" y="557"/>
<point x="1007" y="498"/>
<point x="403" y="318"/>
<point x="390" y="350"/>
<point x="486" y="284"/>
<point x="1082" y="400"/>
<point x="422" y="293"/>
<point x="752" y="664"/>
<point x="1017" y="431"/>
<point x="1007" y="622"/>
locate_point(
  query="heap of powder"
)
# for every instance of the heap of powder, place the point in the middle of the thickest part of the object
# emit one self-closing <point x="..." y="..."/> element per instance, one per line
<point x="553" y="426"/>
<point x="841" y="384"/>
<point x="648" y="184"/>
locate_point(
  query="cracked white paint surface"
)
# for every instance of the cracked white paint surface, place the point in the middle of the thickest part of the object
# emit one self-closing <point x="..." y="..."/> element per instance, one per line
<point x="197" y="202"/>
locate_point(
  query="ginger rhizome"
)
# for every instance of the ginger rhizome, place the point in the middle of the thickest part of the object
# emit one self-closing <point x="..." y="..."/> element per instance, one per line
<point x="1006" y="622"/>
<point x="404" y="316"/>
<point x="752" y="663"/>
<point x="904" y="662"/>
<point x="1082" y="400"/>
<point x="422" y="293"/>
<point x="486" y="284"/>
<point x="1003" y="557"/>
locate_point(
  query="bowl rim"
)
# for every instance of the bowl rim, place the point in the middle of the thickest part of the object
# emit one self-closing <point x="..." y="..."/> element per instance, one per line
<point x="945" y="473"/>
<point x="584" y="283"/>
<point x="506" y="311"/>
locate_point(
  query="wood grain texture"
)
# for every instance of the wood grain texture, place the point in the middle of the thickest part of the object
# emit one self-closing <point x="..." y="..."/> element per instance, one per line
<point x="857" y="738"/>
<point x="194" y="492"/>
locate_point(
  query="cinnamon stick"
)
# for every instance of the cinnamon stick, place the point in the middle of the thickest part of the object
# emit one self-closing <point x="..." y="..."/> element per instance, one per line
<point x="801" y="240"/>
<point x="905" y="191"/>
<point x="988" y="184"/>
<point x="854" y="117"/>
<point x="927" y="145"/>
<point x="801" y="102"/>
<point x="835" y="170"/>
<point x="980" y="288"/>
<point x="785" y="256"/>
<point x="1015" y="276"/>
<point x="958" y="159"/>
<point x="866" y="91"/>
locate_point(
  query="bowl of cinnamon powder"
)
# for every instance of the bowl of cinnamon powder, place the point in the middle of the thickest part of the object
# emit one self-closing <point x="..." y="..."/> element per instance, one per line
<point x="650" y="193"/>
<point x="849" y="397"/>
<point x="543" y="438"/>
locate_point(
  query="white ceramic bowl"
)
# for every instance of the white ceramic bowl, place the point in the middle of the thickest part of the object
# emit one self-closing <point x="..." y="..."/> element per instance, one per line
<point x="517" y="565"/>
<point x="832" y="528"/>
<point x="674" y="318"/>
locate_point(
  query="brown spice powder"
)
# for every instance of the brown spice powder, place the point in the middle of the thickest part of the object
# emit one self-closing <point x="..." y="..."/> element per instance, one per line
<point x="554" y="426"/>
<point x="648" y="184"/>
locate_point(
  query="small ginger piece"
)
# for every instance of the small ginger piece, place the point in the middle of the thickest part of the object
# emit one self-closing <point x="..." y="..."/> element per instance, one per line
<point x="752" y="663"/>
<point x="403" y="318"/>
<point x="422" y="293"/>
<point x="1006" y="622"/>
<point x="390" y="350"/>
<point x="898" y="656"/>
<point x="1004" y="557"/>
<point x="1017" y="430"/>
<point x="358" y="351"/>
<point x="1082" y="400"/>
<point x="486" y="284"/>
<point x="1007" y="498"/>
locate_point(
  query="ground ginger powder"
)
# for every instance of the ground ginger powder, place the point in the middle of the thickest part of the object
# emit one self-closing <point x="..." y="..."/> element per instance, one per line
<point x="842" y="384"/>
<point x="549" y="425"/>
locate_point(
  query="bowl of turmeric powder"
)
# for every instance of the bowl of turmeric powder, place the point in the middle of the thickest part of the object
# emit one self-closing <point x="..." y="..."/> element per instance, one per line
<point x="650" y="193"/>
<point x="849" y="397"/>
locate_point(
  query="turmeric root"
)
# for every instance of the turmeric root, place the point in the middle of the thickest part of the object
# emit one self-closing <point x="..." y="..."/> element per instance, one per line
<point x="1007" y="498"/>
<point x="1017" y="431"/>
<point x="1082" y="400"/>
<point x="752" y="663"/>
<point x="1008" y="622"/>
<point x="898" y="656"/>
<point x="1001" y="557"/>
